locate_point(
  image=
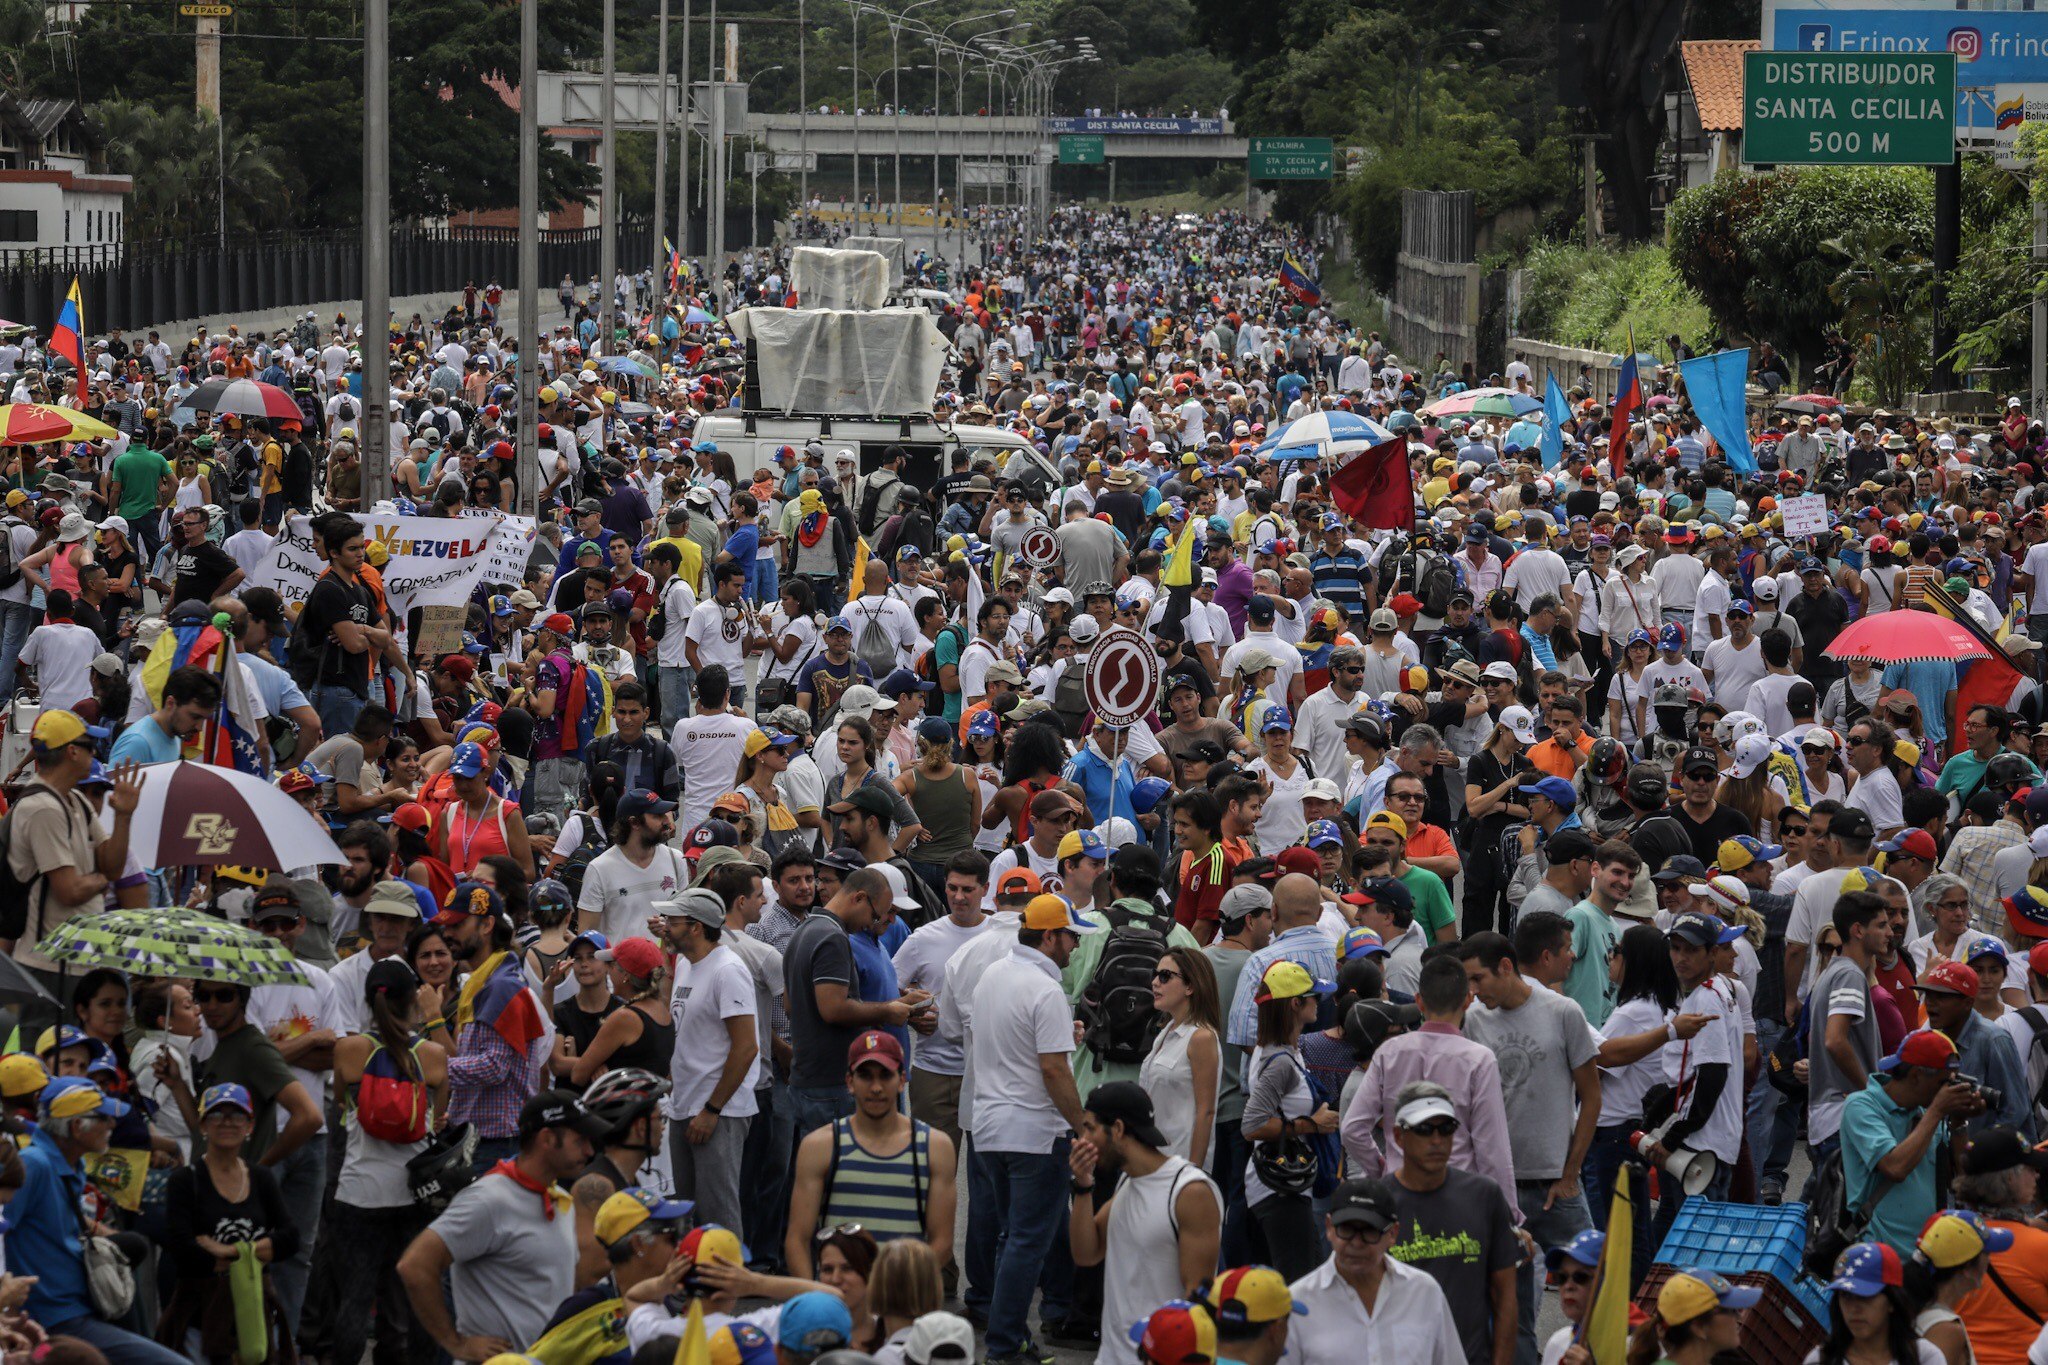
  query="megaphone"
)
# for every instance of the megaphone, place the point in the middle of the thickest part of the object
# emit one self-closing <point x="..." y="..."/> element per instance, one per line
<point x="1693" y="1171"/>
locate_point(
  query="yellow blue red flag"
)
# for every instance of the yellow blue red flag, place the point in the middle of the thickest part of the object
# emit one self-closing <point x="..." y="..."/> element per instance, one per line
<point x="67" y="338"/>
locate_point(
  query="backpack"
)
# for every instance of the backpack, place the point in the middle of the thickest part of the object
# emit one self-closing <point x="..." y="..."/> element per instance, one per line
<point x="873" y="647"/>
<point x="391" y="1106"/>
<point x="1070" y="698"/>
<point x="1439" y="581"/>
<point x="2037" y="1020"/>
<point x="571" y="872"/>
<point x="15" y="893"/>
<point x="1118" y="1018"/>
<point x="879" y="483"/>
<point x="928" y="664"/>
<point x="10" y="572"/>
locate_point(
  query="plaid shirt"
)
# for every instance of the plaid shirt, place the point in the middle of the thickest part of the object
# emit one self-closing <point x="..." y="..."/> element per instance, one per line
<point x="490" y="1082"/>
<point x="1969" y="857"/>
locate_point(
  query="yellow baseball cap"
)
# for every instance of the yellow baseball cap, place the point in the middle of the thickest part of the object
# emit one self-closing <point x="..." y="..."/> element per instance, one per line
<point x="1386" y="819"/>
<point x="1954" y="1237"/>
<point x="1249" y="1295"/>
<point x="1694" y="1293"/>
<point x="21" y="1075"/>
<point x="55" y="729"/>
<point x="629" y="1210"/>
<point x="1053" y="912"/>
<point x="1082" y="843"/>
<point x="1288" y="980"/>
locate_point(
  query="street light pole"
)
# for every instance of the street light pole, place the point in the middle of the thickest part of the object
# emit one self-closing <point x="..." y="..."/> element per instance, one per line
<point x="608" y="184"/>
<point x="803" y="118"/>
<point x="856" y="114"/>
<point x="527" y="451"/>
<point x="654" y="248"/>
<point x="376" y="467"/>
<point x="683" y="154"/>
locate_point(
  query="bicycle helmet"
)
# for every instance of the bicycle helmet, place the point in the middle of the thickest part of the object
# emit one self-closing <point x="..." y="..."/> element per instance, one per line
<point x="623" y="1096"/>
<point x="1608" y="761"/>
<point x="2007" y="771"/>
<point x="441" y="1169"/>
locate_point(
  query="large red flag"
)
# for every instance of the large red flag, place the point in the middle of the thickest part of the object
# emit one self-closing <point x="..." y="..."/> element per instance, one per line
<point x="1374" y="487"/>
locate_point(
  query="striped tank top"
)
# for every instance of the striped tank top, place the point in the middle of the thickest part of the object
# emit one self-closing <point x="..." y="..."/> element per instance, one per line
<point x="883" y="1194"/>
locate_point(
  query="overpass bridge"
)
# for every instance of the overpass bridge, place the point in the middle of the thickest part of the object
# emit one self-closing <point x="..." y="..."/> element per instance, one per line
<point x="993" y="138"/>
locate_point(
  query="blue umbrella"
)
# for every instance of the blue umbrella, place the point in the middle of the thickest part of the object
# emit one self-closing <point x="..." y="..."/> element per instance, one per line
<point x="1324" y="433"/>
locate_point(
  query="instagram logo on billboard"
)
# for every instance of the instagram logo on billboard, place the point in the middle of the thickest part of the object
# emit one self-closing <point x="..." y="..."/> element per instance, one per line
<point x="1966" y="43"/>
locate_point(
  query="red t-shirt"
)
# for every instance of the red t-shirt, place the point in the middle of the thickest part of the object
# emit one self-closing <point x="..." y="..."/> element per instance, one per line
<point x="1202" y="884"/>
<point x="1897" y="980"/>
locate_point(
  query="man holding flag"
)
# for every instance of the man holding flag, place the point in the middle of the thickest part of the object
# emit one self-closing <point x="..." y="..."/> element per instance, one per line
<point x="1628" y="400"/>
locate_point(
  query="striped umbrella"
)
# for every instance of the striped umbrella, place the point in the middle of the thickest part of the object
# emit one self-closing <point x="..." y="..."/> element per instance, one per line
<point x="174" y="941"/>
<point x="34" y="424"/>
<point x="244" y="398"/>
<point x="191" y="814"/>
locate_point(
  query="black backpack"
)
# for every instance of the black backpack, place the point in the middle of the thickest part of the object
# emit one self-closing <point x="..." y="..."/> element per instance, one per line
<point x="1116" y="1010"/>
<point x="17" y="894"/>
<point x="571" y="873"/>
<point x="1439" y="580"/>
<point x="10" y="572"/>
<point x="1070" y="698"/>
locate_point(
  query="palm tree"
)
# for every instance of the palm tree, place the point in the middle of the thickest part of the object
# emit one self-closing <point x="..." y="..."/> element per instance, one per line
<point x="1885" y="290"/>
<point x="180" y="161"/>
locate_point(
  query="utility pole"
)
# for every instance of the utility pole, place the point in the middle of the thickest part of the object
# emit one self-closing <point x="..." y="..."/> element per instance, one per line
<point x="526" y="460"/>
<point x="2039" y="369"/>
<point x="803" y="120"/>
<point x="377" y="250"/>
<point x="608" y="181"/>
<point x="654" y="247"/>
<point x="683" y="155"/>
<point x="719" y="157"/>
<point x="207" y="33"/>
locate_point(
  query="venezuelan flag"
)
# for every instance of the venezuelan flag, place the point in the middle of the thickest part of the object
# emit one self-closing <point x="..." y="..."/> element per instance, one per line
<point x="496" y="997"/>
<point x="67" y="338"/>
<point x="1297" y="281"/>
<point x="1604" y="1330"/>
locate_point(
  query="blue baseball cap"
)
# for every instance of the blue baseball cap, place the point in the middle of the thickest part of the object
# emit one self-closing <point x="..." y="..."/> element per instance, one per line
<point x="839" y="623"/>
<point x="1584" y="1248"/>
<point x="593" y="938"/>
<point x="1987" y="947"/>
<point x="1556" y="788"/>
<point x="1740" y="607"/>
<point x="903" y="680"/>
<point x="814" y="1322"/>
<point x="1276" y="719"/>
<point x="1812" y="564"/>
<point x="468" y="761"/>
<point x="1671" y="637"/>
<point x="983" y="725"/>
<point x="70" y="1097"/>
<point x="226" y="1093"/>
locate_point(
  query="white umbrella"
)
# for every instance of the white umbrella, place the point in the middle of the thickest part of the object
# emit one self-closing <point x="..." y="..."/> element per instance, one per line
<point x="196" y="813"/>
<point x="1330" y="432"/>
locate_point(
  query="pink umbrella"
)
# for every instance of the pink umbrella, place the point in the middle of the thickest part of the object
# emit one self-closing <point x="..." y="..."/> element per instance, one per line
<point x="1902" y="637"/>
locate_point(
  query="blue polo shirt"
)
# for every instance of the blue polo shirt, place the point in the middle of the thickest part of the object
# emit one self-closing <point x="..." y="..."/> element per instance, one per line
<point x="42" y="1235"/>
<point x="1871" y="1126"/>
<point x="875" y="972"/>
<point x="145" y="742"/>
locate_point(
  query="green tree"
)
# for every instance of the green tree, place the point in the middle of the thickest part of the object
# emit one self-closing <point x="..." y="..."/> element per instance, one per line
<point x="1884" y="288"/>
<point x="181" y="160"/>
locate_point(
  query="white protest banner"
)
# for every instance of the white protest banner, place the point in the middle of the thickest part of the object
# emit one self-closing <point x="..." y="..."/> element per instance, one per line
<point x="1806" y="515"/>
<point x="505" y="560"/>
<point x="430" y="561"/>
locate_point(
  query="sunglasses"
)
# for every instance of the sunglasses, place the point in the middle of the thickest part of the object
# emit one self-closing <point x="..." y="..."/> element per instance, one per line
<point x="1573" y="1277"/>
<point x="823" y="1235"/>
<point x="1161" y="974"/>
<point x="223" y="996"/>
<point x="1436" y="1128"/>
<point x="1791" y="831"/>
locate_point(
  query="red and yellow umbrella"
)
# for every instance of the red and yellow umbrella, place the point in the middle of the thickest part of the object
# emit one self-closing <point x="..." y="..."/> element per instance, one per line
<point x="30" y="424"/>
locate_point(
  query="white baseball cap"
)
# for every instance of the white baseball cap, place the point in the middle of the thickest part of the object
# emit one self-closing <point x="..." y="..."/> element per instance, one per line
<point x="1520" y="723"/>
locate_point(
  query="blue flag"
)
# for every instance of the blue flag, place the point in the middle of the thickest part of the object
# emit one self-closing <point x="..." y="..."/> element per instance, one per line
<point x="1556" y="412"/>
<point x="1714" y="383"/>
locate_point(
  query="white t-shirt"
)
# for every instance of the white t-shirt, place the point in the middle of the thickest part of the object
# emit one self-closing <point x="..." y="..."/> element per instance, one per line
<point x="61" y="653"/>
<point x="893" y="619"/>
<point x="1535" y="573"/>
<point x="1734" y="670"/>
<point x="706" y="994"/>
<point x="719" y="640"/>
<point x="707" y="749"/>
<point x="679" y="608"/>
<point x="1876" y="794"/>
<point x="1718" y="1042"/>
<point x="921" y="962"/>
<point x="622" y="895"/>
<point x="1020" y="1014"/>
<point x="288" y="1012"/>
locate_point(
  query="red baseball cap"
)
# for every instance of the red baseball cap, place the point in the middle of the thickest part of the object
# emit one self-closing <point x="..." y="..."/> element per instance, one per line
<point x="413" y="816"/>
<point x="1302" y="860"/>
<point x="560" y="624"/>
<point x="876" y="1046"/>
<point x="295" y="782"/>
<point x="2037" y="960"/>
<point x="637" y="955"/>
<point x="1952" y="977"/>
<point x="1923" y="1047"/>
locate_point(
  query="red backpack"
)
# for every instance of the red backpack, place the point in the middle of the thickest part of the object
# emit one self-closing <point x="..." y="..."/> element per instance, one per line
<point x="391" y="1106"/>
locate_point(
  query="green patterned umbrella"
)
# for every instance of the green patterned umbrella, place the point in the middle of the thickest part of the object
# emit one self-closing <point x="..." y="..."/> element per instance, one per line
<point x="172" y="942"/>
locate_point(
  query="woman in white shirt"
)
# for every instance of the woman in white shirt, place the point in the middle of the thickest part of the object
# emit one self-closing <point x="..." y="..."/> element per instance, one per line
<point x="1182" y="1070"/>
<point x="1286" y="778"/>
<point x="793" y="639"/>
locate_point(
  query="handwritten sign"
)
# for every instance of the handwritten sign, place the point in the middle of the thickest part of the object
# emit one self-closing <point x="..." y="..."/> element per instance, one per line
<point x="1806" y="515"/>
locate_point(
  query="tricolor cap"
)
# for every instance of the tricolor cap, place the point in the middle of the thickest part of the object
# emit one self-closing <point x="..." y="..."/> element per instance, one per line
<point x="1286" y="980"/>
<point x="226" y="1095"/>
<point x="71" y="1097"/>
<point x="1176" y="1333"/>
<point x="626" y="1211"/>
<point x="1322" y="834"/>
<point x="2027" y="912"/>
<point x="1694" y="1293"/>
<point x="1914" y="843"/>
<point x="1922" y="1047"/>
<point x="1360" y="942"/>
<point x="1867" y="1270"/>
<point x="1049" y="911"/>
<point x="711" y="1243"/>
<point x="1082" y="843"/>
<point x="60" y="1036"/>
<point x="1954" y="1237"/>
<point x="1249" y="1296"/>
<point x="1735" y="854"/>
<point x="740" y="1343"/>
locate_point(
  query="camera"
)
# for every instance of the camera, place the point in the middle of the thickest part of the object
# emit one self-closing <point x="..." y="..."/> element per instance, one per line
<point x="1992" y="1096"/>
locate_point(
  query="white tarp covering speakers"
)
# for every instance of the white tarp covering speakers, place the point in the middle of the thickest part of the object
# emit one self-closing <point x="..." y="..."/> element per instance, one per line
<point x="892" y="249"/>
<point x="835" y="277"/>
<point x="884" y="363"/>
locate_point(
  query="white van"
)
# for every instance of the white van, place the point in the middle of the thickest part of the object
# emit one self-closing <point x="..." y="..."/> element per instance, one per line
<point x="753" y="438"/>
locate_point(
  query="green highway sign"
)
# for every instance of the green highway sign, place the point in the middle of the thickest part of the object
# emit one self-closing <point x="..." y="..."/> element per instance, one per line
<point x="1080" y="151"/>
<point x="1848" y="109"/>
<point x="1290" y="158"/>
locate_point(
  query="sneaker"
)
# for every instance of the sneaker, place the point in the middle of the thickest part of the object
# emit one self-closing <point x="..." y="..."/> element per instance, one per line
<point x="977" y="1318"/>
<point x="1074" y="1333"/>
<point x="1771" y="1195"/>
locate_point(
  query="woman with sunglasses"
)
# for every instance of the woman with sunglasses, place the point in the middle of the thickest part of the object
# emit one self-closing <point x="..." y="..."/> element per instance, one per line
<point x="215" y="1206"/>
<point x="984" y="760"/>
<point x="1695" y="1321"/>
<point x="1574" y="1268"/>
<point x="1182" y="1071"/>
<point x="1820" y="765"/>
<point x="1285" y="776"/>
<point x="1628" y="696"/>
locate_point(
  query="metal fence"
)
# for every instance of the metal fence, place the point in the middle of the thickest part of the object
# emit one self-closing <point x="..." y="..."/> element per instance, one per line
<point x="134" y="285"/>
<point x="1436" y="303"/>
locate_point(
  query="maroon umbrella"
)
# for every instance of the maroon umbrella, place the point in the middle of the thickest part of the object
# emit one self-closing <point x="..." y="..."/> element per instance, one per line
<point x="244" y="398"/>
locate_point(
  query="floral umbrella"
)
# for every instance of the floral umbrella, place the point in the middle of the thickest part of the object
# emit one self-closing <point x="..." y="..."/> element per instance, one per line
<point x="173" y="941"/>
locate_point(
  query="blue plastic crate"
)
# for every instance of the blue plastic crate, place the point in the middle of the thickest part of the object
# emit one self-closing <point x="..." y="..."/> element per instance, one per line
<point x="1738" y="1237"/>
<point x="1814" y="1296"/>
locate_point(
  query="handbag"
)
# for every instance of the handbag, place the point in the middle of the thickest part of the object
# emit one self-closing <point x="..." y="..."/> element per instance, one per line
<point x="109" y="1278"/>
<point x="1833" y="1225"/>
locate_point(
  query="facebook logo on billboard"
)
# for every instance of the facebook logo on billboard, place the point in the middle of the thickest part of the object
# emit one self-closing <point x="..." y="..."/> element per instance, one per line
<point x="1816" y="37"/>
